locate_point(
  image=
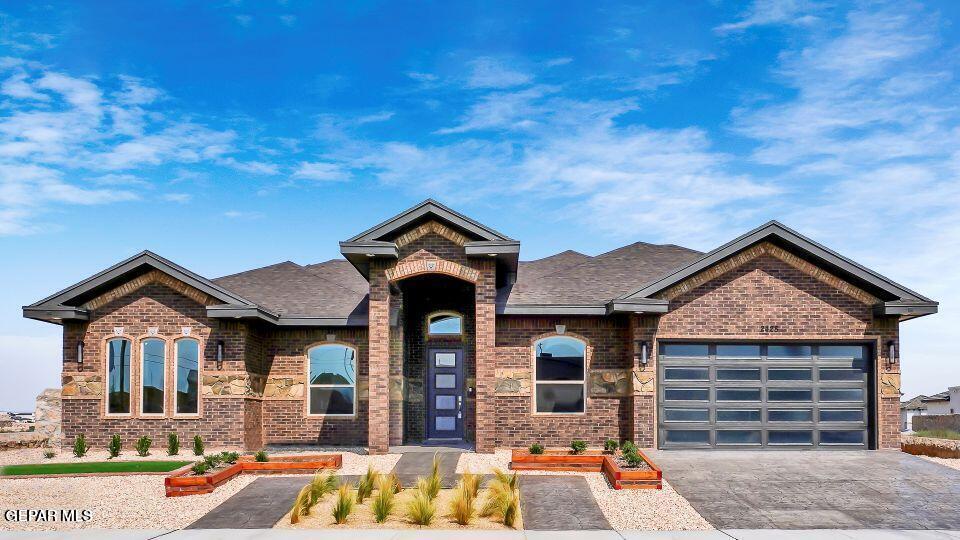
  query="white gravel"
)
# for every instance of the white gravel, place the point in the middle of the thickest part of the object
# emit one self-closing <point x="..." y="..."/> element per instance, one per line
<point x="947" y="462"/>
<point x="649" y="509"/>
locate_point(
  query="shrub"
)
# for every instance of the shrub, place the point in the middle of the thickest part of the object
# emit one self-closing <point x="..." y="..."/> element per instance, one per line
<point x="343" y="506"/>
<point x="229" y="457"/>
<point x="461" y="506"/>
<point x="383" y="503"/>
<point x="420" y="509"/>
<point x="197" y="445"/>
<point x="633" y="459"/>
<point x="536" y="448"/>
<point x="628" y="446"/>
<point x="80" y="447"/>
<point x="199" y="468"/>
<point x="49" y="454"/>
<point x="610" y="446"/>
<point x="114" y="446"/>
<point x="261" y="456"/>
<point x="578" y="447"/>
<point x="143" y="446"/>
<point x="173" y="444"/>
<point x="213" y="460"/>
<point x="365" y="484"/>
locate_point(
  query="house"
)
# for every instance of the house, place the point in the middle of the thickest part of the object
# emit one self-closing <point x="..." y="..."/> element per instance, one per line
<point x="947" y="402"/>
<point x="909" y="409"/>
<point x="431" y="329"/>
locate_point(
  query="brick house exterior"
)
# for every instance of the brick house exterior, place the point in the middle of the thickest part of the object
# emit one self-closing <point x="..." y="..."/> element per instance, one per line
<point x="769" y="290"/>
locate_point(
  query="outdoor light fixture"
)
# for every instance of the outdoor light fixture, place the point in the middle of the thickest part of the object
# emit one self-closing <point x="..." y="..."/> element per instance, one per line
<point x="220" y="354"/>
<point x="80" y="352"/>
<point x="331" y="337"/>
<point x="561" y="328"/>
<point x="892" y="352"/>
<point x="641" y="352"/>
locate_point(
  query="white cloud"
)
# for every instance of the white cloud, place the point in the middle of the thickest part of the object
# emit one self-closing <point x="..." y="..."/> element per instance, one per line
<point x="242" y="215"/>
<point x="178" y="197"/>
<point x="769" y="12"/>
<point x="488" y="72"/>
<point x="322" y="171"/>
<point x="243" y="20"/>
<point x="553" y="62"/>
<point x="376" y="117"/>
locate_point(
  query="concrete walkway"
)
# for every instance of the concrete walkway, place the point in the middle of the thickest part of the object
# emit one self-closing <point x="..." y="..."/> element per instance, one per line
<point x="413" y="465"/>
<point x="559" y="503"/>
<point x="815" y="489"/>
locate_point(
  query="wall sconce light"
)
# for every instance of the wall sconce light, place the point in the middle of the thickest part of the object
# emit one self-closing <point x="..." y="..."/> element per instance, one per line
<point x="561" y="328"/>
<point x="892" y="352"/>
<point x="220" y="354"/>
<point x="641" y="352"/>
<point x="80" y="352"/>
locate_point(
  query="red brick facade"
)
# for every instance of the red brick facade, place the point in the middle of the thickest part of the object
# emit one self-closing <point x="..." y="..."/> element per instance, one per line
<point x="741" y="303"/>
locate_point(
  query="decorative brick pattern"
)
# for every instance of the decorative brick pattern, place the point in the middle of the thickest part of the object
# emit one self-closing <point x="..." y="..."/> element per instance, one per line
<point x="428" y="228"/>
<point x="151" y="277"/>
<point x="427" y="266"/>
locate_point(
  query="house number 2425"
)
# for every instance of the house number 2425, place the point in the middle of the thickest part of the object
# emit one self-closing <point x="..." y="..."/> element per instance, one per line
<point x="770" y="328"/>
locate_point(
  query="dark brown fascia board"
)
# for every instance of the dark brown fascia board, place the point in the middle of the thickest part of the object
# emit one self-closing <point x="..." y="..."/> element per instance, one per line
<point x="784" y="233"/>
<point x="643" y="305"/>
<point x="550" y="309"/>
<point x="506" y="252"/>
<point x="359" y="253"/>
<point x="429" y="206"/>
<point x="55" y="314"/>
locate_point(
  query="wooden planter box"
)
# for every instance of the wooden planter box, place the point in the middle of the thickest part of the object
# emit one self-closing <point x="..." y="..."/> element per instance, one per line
<point x="590" y="461"/>
<point x="183" y="482"/>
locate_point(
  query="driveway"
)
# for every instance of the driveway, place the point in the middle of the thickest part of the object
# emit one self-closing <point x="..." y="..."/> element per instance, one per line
<point x="814" y="489"/>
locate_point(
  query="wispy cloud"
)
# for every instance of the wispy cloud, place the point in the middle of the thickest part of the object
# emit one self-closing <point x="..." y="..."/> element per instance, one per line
<point x="773" y="12"/>
<point x="322" y="171"/>
<point x="488" y="72"/>
<point x="242" y="214"/>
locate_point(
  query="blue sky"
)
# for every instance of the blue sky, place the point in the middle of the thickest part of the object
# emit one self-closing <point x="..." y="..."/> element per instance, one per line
<point x="231" y="135"/>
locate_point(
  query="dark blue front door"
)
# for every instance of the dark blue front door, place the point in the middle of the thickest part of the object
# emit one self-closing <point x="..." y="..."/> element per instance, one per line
<point x="444" y="394"/>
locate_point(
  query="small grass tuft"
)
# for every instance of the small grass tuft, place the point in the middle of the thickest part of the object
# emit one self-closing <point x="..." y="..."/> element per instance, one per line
<point x="366" y="484"/>
<point x="461" y="505"/>
<point x="301" y="505"/>
<point x="420" y="509"/>
<point x="472" y="482"/>
<point x="383" y="503"/>
<point x="502" y="499"/>
<point x="343" y="506"/>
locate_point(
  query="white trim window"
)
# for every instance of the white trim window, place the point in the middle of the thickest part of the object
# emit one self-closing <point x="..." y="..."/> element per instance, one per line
<point x="444" y="323"/>
<point x="331" y="380"/>
<point x="559" y="375"/>
<point x="118" y="376"/>
<point x="153" y="369"/>
<point x="187" y="376"/>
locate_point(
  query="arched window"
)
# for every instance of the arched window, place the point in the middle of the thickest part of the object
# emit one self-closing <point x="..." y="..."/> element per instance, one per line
<point x="332" y="380"/>
<point x="444" y="323"/>
<point x="559" y="375"/>
<point x="118" y="376"/>
<point x="187" y="378"/>
<point x="153" y="356"/>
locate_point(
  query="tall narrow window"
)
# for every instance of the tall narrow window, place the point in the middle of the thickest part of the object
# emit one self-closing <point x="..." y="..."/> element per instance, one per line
<point x="153" y="355"/>
<point x="445" y="324"/>
<point x="118" y="376"/>
<point x="188" y="376"/>
<point x="333" y="380"/>
<point x="560" y="368"/>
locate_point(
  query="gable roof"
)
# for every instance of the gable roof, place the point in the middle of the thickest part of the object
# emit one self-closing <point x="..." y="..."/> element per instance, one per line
<point x="431" y="208"/>
<point x="942" y="396"/>
<point x="914" y="404"/>
<point x="67" y="304"/>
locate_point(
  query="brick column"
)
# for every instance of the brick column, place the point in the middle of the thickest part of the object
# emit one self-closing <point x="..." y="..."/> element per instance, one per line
<point x="485" y="320"/>
<point x="378" y="425"/>
<point x="644" y="382"/>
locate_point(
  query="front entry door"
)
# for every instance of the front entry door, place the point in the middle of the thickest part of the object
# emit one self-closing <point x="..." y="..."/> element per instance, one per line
<point x="445" y="394"/>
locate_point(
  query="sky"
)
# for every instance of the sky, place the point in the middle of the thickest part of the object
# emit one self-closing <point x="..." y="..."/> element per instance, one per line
<point x="231" y="135"/>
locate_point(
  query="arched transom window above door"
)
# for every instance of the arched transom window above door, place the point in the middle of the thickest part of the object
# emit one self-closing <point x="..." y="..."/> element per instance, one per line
<point x="444" y="323"/>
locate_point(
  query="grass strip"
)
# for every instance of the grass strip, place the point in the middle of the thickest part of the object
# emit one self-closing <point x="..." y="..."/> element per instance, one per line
<point x="937" y="434"/>
<point x="92" y="467"/>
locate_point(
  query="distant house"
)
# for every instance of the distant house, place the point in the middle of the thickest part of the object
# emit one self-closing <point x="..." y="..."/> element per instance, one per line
<point x="909" y="409"/>
<point x="947" y="402"/>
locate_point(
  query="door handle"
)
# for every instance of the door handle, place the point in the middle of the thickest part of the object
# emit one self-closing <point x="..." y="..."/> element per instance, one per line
<point x="459" y="406"/>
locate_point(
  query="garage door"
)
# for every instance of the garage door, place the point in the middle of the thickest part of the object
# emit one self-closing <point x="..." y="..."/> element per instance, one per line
<point x="724" y="395"/>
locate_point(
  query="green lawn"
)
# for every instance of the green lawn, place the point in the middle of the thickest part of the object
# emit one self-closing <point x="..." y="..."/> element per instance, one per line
<point x="92" y="467"/>
<point x="938" y="434"/>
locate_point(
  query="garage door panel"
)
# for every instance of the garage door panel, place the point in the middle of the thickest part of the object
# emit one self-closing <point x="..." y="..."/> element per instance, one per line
<point x="732" y="395"/>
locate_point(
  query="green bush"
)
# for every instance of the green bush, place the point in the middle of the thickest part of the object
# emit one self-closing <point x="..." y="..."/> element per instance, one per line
<point x="578" y="447"/>
<point x="632" y="458"/>
<point x="49" y="454"/>
<point x="173" y="444"/>
<point x="200" y="468"/>
<point x="261" y="456"/>
<point x="610" y="445"/>
<point x="143" y="446"/>
<point x="213" y="460"/>
<point x="536" y="448"/>
<point x="197" y="446"/>
<point x="627" y="446"/>
<point x="114" y="446"/>
<point x="80" y="447"/>
<point x="229" y="457"/>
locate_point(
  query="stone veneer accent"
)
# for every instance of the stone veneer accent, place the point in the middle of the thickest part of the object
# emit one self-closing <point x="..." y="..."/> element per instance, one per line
<point x="513" y="382"/>
<point x="82" y="386"/>
<point x="48" y="416"/>
<point x="220" y="384"/>
<point x="610" y="382"/>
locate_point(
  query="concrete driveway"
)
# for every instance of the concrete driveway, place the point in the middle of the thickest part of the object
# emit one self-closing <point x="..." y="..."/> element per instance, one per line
<point x="814" y="489"/>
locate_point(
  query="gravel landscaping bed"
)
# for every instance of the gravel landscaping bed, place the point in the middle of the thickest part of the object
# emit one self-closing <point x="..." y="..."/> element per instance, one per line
<point x="651" y="509"/>
<point x="952" y="463"/>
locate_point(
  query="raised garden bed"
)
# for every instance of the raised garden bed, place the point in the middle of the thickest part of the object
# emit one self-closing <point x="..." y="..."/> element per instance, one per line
<point x="184" y="482"/>
<point x="926" y="446"/>
<point x="619" y="476"/>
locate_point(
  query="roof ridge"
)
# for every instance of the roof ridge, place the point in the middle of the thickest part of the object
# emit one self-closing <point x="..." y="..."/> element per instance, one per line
<point x="257" y="268"/>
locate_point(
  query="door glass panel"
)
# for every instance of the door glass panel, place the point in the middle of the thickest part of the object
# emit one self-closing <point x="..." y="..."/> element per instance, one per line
<point x="841" y="351"/>
<point x="445" y="380"/>
<point x="685" y="349"/>
<point x="841" y="394"/>
<point x="790" y="415"/>
<point x="726" y="436"/>
<point x="788" y="351"/>
<point x="686" y="373"/>
<point x="841" y="437"/>
<point x="841" y="415"/>
<point x="446" y="402"/>
<point x="789" y="374"/>
<point x="738" y="415"/>
<point x="446" y="359"/>
<point x="686" y="394"/>
<point x="686" y="415"/>
<point x="739" y="351"/>
<point x="725" y="374"/>
<point x="446" y="423"/>
<point x="790" y="437"/>
<point x="783" y="394"/>
<point x="738" y="394"/>
<point x="841" y="374"/>
<point x="559" y="398"/>
<point x="688" y="436"/>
